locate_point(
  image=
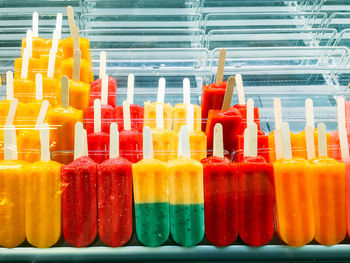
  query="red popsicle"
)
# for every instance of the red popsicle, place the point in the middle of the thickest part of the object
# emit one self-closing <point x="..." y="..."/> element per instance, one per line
<point x="114" y="191"/>
<point x="131" y="140"/>
<point x="98" y="141"/>
<point x="220" y="195"/>
<point x="255" y="194"/>
<point x="79" y="205"/>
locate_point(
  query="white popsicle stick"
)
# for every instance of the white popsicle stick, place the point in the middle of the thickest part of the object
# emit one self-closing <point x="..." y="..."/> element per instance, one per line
<point x="342" y="133"/>
<point x="186" y="91"/>
<point x="85" y="143"/>
<point x="287" y="148"/>
<point x="130" y="89"/>
<point x="161" y="90"/>
<point x="190" y="117"/>
<point x="251" y="145"/>
<point x="309" y="109"/>
<point x="10" y="142"/>
<point x="240" y="89"/>
<point x="59" y="25"/>
<point x="159" y="116"/>
<point x="184" y="143"/>
<point x="55" y="38"/>
<point x="310" y="142"/>
<point x="78" y="140"/>
<point x="221" y="66"/>
<point x="104" y="90"/>
<point x="35" y="24"/>
<point x="277" y="109"/>
<point x="38" y="86"/>
<point x="147" y="143"/>
<point x="12" y="112"/>
<point x="278" y="144"/>
<point x="45" y="142"/>
<point x="42" y="114"/>
<point x="218" y="143"/>
<point x="25" y="63"/>
<point x="102" y="71"/>
<point x="29" y="43"/>
<point x="114" y="141"/>
<point x="341" y="113"/>
<point x="250" y="112"/>
<point x="9" y="85"/>
<point x="97" y="115"/>
<point x="126" y="115"/>
<point x="322" y="140"/>
<point x="51" y="66"/>
<point x="64" y="92"/>
<point x="76" y="65"/>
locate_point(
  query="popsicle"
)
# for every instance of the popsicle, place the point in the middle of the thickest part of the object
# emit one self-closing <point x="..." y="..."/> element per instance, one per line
<point x="186" y="195"/>
<point x="180" y="110"/>
<point x="163" y="139"/>
<point x="220" y="206"/>
<point x="96" y="86"/>
<point x="213" y="94"/>
<point x="151" y="200"/>
<point x="293" y="195"/>
<point x="12" y="183"/>
<point x="229" y="117"/>
<point x="107" y="111"/>
<point x="62" y="119"/>
<point x="136" y="111"/>
<point x="256" y="192"/>
<point x="98" y="141"/>
<point x="130" y="139"/>
<point x="150" y="109"/>
<point x="329" y="194"/>
<point x="43" y="197"/>
<point x="114" y="193"/>
<point x="79" y="195"/>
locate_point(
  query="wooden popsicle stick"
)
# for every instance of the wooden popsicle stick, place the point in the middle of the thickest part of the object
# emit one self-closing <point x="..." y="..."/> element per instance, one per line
<point x="102" y="70"/>
<point x="42" y="114"/>
<point x="45" y="142"/>
<point x="35" y="24"/>
<point x="147" y="143"/>
<point x="251" y="135"/>
<point x="76" y="65"/>
<point x="59" y="25"/>
<point x="78" y="140"/>
<point x="9" y="85"/>
<point x="130" y="89"/>
<point x="190" y="117"/>
<point x="114" y="141"/>
<point x="310" y="143"/>
<point x="228" y="93"/>
<point x="309" y="109"/>
<point x="64" y="92"/>
<point x="104" y="90"/>
<point x="240" y="89"/>
<point x="287" y="149"/>
<point x="85" y="143"/>
<point x="186" y="90"/>
<point x="218" y="142"/>
<point x="184" y="140"/>
<point x="278" y="143"/>
<point x="12" y="112"/>
<point x="159" y="116"/>
<point x="126" y="115"/>
<point x="25" y="63"/>
<point x="29" y="43"/>
<point x="221" y="66"/>
<point x="250" y="111"/>
<point x="277" y="109"/>
<point x="341" y="113"/>
<point x="322" y="140"/>
<point x="97" y="115"/>
<point x="75" y="38"/>
<point x="10" y="142"/>
<point x="51" y="66"/>
<point x="71" y="21"/>
<point x="161" y="90"/>
<point x="38" y="86"/>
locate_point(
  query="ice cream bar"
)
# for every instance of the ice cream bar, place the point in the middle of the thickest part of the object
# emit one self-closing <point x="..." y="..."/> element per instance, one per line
<point x="293" y="194"/>
<point x="79" y="194"/>
<point x="43" y="198"/>
<point x="150" y="109"/>
<point x="186" y="195"/>
<point x="151" y="200"/>
<point x="114" y="193"/>
<point x="220" y="206"/>
<point x="62" y="121"/>
<point x="98" y="141"/>
<point x="329" y="194"/>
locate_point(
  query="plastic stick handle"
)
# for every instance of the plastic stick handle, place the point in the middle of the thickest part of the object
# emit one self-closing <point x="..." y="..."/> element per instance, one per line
<point x="186" y="91"/>
<point x="310" y="142"/>
<point x="104" y="90"/>
<point x="59" y="25"/>
<point x="9" y="85"/>
<point x="45" y="142"/>
<point x="64" y="92"/>
<point x="35" y="24"/>
<point x="130" y="89"/>
<point x="159" y="116"/>
<point x="287" y="148"/>
<point x="78" y="140"/>
<point x="309" y="109"/>
<point x="184" y="143"/>
<point x="126" y="115"/>
<point x="38" y="87"/>
<point x="228" y="93"/>
<point x="114" y="141"/>
<point x="102" y="64"/>
<point x="147" y="143"/>
<point x="240" y="89"/>
<point x="97" y="115"/>
<point x="12" y="112"/>
<point x="322" y="140"/>
<point x="221" y="66"/>
<point x="161" y="90"/>
<point x="218" y="150"/>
